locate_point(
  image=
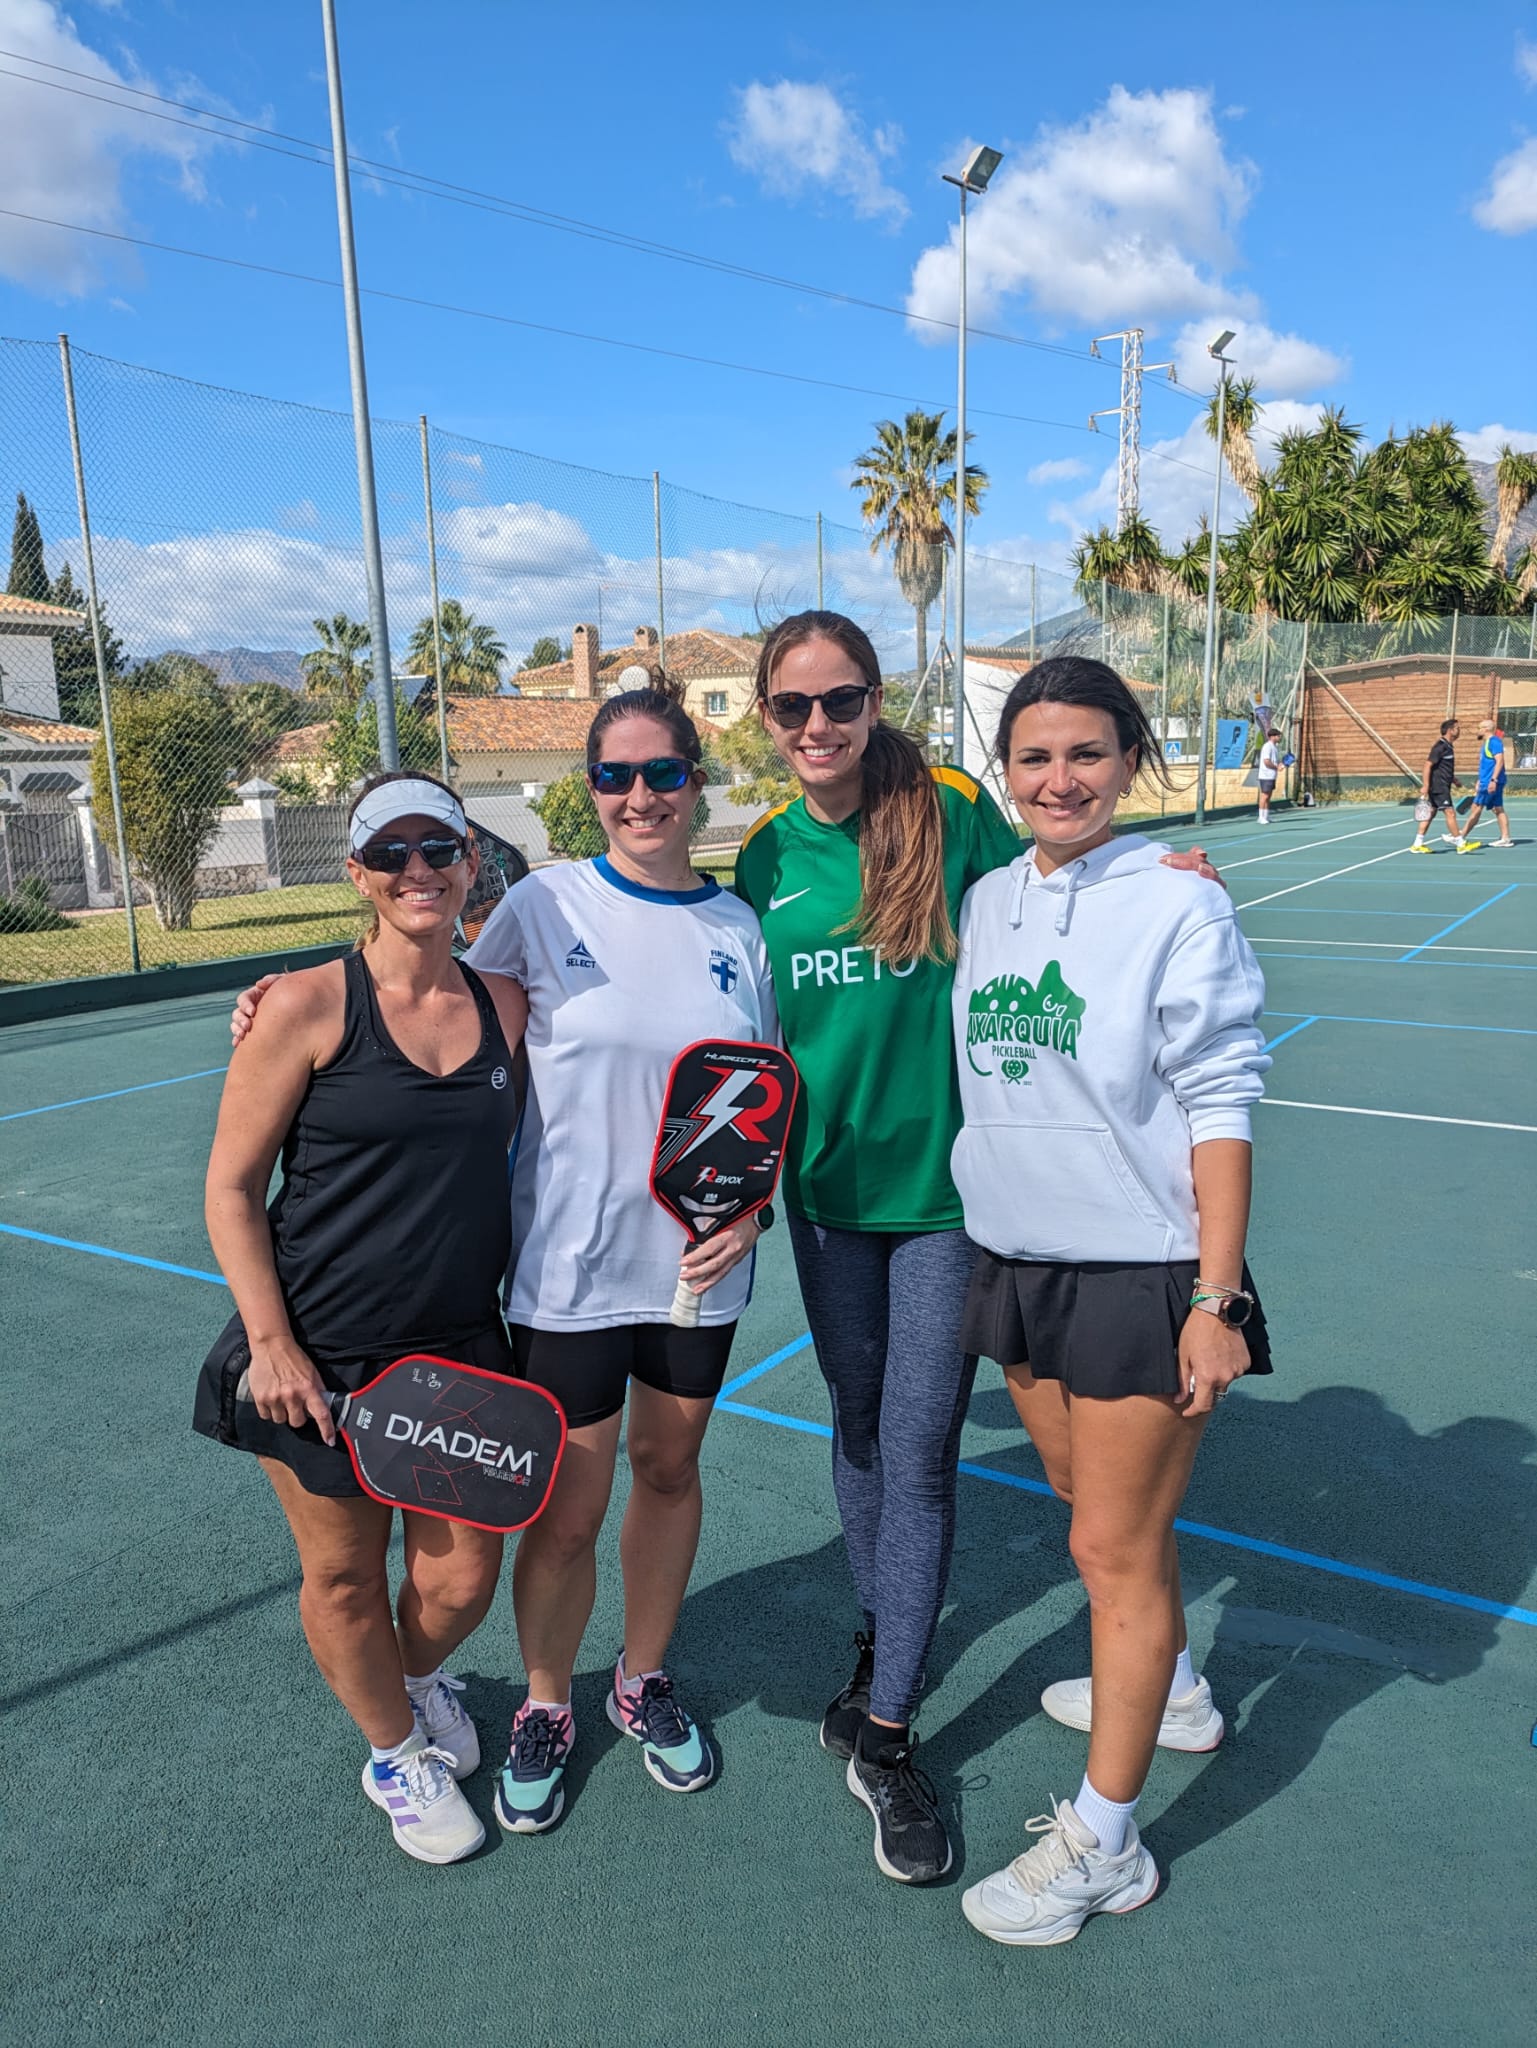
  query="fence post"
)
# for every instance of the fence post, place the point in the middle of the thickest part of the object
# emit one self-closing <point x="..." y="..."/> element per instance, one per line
<point x="437" y="623"/>
<point x="1531" y="638"/>
<point x="1451" y="669"/>
<point x="1163" y="706"/>
<point x="820" y="605"/>
<point x="103" y="691"/>
<point x="661" y="615"/>
<point x="1032" y="613"/>
<point x="1299" y="766"/>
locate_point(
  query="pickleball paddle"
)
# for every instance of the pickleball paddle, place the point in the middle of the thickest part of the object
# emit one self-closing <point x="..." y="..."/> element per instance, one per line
<point x="451" y="1440"/>
<point x="720" y="1142"/>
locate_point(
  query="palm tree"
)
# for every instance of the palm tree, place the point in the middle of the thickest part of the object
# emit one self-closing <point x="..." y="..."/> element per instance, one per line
<point x="908" y="481"/>
<point x="1240" y="416"/>
<point x="1515" y="477"/>
<point x="338" y="669"/>
<point x="472" y="654"/>
<point x="1132" y="559"/>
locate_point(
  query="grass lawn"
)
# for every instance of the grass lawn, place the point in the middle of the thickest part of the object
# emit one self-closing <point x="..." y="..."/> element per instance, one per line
<point x="222" y="926"/>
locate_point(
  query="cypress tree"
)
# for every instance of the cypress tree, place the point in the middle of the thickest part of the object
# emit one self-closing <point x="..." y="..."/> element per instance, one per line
<point x="29" y="571"/>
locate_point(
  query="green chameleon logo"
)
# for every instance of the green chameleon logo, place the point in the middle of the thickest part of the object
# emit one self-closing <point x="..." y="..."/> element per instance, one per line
<point x="1019" y="1021"/>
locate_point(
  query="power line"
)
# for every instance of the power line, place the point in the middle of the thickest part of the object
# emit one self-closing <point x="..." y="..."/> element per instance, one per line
<point x="422" y="183"/>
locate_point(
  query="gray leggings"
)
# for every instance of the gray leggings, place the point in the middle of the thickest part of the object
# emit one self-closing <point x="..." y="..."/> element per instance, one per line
<point x="885" y="1315"/>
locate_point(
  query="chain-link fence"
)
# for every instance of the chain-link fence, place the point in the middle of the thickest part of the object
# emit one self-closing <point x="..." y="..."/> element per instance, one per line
<point x="242" y="700"/>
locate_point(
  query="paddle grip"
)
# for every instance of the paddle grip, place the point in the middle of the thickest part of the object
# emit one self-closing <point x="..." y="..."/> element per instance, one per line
<point x="337" y="1403"/>
<point x="684" y="1314"/>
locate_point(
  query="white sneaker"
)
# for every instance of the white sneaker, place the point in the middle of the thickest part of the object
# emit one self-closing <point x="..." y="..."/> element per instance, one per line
<point x="446" y="1725"/>
<point x="431" y="1818"/>
<point x="1044" y="1896"/>
<point x="1191" y="1723"/>
<point x="1504" y="844"/>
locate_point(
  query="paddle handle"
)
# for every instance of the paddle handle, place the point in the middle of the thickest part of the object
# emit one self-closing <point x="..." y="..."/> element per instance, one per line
<point x="684" y="1314"/>
<point x="337" y="1403"/>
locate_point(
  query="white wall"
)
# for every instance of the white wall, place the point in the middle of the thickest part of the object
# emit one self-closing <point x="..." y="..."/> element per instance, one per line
<point x="26" y="674"/>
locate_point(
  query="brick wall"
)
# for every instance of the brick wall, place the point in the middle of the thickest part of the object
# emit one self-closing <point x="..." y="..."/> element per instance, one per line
<point x="1405" y="701"/>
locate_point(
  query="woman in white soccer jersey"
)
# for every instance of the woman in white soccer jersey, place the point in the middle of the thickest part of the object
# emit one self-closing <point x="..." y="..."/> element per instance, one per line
<point x="626" y="959"/>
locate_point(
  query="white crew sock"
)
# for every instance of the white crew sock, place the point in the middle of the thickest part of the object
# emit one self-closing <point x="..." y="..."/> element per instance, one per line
<point x="419" y="1688"/>
<point x="1104" y="1817"/>
<point x="397" y="1750"/>
<point x="1184" y="1676"/>
<point x="551" y="1707"/>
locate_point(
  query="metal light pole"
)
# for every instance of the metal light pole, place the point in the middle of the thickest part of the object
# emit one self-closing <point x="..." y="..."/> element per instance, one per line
<point x="368" y="504"/>
<point x="980" y="166"/>
<point x="437" y="615"/>
<point x="661" y="594"/>
<point x="1214" y="349"/>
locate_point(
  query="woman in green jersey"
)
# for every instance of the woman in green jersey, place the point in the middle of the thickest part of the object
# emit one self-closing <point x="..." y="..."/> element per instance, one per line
<point x="858" y="883"/>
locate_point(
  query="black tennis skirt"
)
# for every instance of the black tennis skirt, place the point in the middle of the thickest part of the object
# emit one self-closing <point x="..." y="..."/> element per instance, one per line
<point x="1101" y="1330"/>
<point x="319" y="1467"/>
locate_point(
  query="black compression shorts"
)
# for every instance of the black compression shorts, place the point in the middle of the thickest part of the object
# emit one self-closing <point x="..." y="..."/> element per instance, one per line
<point x="588" y="1370"/>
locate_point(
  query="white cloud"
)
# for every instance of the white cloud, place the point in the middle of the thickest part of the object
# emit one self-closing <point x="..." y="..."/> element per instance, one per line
<point x="64" y="157"/>
<point x="1128" y="213"/>
<point x="798" y="138"/>
<point x="1526" y="61"/>
<point x="1509" y="207"/>
<point x="1483" y="444"/>
<point x="1283" y="364"/>
<point x="1061" y="471"/>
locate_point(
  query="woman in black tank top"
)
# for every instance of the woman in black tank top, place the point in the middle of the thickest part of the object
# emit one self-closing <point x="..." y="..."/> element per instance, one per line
<point x="391" y="1083"/>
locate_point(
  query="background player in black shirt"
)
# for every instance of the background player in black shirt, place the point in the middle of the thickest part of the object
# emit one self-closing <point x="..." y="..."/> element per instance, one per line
<point x="1436" y="789"/>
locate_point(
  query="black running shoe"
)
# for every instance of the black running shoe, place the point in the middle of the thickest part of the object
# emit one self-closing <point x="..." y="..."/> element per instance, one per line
<point x="845" y="1715"/>
<point x="910" y="1840"/>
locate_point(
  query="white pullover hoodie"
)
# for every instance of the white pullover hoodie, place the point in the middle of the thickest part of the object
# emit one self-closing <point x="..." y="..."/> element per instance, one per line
<point x="1106" y="1020"/>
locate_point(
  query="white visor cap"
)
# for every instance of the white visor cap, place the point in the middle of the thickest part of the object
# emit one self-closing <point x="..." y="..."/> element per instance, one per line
<point x="409" y="798"/>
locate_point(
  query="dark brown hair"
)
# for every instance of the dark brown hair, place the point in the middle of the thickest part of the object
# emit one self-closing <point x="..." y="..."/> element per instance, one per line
<point x="661" y="699"/>
<point x="378" y="782"/>
<point x="1094" y="686"/>
<point x="903" y="910"/>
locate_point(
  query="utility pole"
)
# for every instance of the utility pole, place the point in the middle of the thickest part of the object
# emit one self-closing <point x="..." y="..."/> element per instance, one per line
<point x="368" y="503"/>
<point x="1128" y="474"/>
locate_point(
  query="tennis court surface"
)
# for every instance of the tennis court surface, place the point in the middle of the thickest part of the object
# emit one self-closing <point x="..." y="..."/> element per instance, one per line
<point x="192" y="1861"/>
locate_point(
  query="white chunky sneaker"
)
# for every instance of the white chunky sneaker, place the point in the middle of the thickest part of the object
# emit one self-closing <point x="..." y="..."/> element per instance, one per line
<point x="1192" y="1723"/>
<point x="446" y="1725"/>
<point x="431" y="1818"/>
<point x="1044" y="1896"/>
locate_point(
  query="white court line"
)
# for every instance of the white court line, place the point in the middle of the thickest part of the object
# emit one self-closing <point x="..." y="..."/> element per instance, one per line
<point x="1307" y="845"/>
<point x="1408" y="1116"/>
<point x="1381" y="945"/>
<point x="1313" y="884"/>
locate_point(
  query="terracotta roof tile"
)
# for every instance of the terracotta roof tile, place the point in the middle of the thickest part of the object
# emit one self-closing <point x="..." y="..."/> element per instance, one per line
<point x="488" y="725"/>
<point x="697" y="652"/>
<point x="46" y="731"/>
<point x="45" y="614"/>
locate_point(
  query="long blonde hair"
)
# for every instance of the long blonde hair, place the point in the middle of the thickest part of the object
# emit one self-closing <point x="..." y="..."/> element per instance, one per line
<point x="903" y="910"/>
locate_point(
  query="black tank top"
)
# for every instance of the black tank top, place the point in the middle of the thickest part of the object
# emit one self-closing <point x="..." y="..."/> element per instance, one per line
<point x="391" y="1230"/>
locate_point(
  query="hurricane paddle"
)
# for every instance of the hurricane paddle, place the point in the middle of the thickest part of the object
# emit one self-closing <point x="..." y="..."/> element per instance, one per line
<point x="451" y="1440"/>
<point x="720" y="1143"/>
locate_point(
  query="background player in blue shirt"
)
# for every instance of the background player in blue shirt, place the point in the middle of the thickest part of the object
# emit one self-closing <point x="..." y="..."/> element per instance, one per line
<point x="1490" y="792"/>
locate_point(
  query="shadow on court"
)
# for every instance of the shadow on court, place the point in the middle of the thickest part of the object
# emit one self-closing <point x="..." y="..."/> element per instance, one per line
<point x="1292" y="1651"/>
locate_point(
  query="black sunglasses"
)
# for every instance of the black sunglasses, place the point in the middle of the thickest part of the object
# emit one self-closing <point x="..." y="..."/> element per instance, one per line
<point x="614" y="778"/>
<point x="792" y="708"/>
<point x="392" y="856"/>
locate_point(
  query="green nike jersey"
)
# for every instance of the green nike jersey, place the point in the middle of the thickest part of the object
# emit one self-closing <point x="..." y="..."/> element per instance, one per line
<point x="880" y="1102"/>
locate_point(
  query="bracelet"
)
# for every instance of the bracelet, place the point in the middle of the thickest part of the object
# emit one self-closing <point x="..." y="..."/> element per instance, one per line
<point x="1210" y="1287"/>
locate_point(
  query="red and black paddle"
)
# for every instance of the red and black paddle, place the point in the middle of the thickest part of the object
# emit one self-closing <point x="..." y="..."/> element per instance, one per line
<point x="720" y="1143"/>
<point x="451" y="1440"/>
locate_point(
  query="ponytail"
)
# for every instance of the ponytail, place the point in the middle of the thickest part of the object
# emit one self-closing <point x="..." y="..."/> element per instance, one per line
<point x="903" y="909"/>
<point x="904" y="912"/>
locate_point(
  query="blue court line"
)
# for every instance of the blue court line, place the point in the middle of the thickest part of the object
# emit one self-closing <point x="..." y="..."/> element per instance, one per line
<point x="1412" y="1024"/>
<point x="100" y="1251"/>
<point x="78" y="1102"/>
<point x="1272" y="1043"/>
<point x="1392" y="960"/>
<point x="1467" y="918"/>
<point x="756" y="1372"/>
<point x="1229" y="1538"/>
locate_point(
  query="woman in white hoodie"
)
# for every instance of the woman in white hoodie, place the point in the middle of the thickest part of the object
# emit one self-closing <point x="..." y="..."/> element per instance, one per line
<point x="1107" y="1035"/>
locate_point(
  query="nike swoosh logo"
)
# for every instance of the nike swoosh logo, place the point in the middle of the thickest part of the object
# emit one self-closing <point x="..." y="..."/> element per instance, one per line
<point x="779" y="902"/>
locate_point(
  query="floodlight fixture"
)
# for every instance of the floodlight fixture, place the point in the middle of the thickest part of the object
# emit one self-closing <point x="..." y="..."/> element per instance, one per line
<point x="980" y="166"/>
<point x="1215" y="348"/>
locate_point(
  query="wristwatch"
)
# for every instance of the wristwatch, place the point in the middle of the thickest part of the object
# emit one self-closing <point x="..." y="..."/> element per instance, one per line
<point x="765" y="1217"/>
<point x="1230" y="1305"/>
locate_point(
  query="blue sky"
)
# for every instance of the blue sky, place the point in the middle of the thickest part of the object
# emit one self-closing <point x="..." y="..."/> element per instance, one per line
<point x="1353" y="187"/>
